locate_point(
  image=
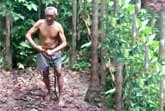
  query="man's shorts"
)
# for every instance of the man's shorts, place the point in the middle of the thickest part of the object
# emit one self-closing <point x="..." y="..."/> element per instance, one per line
<point x="44" y="60"/>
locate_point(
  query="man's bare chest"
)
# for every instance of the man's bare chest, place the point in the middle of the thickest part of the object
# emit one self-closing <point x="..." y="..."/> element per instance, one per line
<point x="48" y="31"/>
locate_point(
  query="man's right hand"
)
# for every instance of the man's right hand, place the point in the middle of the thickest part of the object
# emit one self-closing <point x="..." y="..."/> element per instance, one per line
<point x="40" y="48"/>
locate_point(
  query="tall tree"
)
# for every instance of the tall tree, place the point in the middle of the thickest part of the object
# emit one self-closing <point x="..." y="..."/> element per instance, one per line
<point x="8" y="57"/>
<point x="78" y="20"/>
<point x="162" y="57"/>
<point x="39" y="9"/>
<point x="116" y="6"/>
<point x="146" y="57"/>
<point x="162" y="35"/>
<point x="162" y="93"/>
<point x="158" y="6"/>
<point x="119" y="71"/>
<point x="94" y="87"/>
<point x="134" y="23"/>
<point x="74" y="31"/>
<point x="102" y="36"/>
<point x="118" y="85"/>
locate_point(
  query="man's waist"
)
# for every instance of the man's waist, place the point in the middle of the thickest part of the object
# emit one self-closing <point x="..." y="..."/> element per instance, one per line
<point x="55" y="55"/>
<point x="48" y="46"/>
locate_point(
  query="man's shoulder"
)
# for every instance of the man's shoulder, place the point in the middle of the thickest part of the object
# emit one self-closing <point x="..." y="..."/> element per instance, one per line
<point x="58" y="24"/>
<point x="40" y="21"/>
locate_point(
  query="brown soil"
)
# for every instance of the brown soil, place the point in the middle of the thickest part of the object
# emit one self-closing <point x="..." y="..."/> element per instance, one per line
<point x="23" y="91"/>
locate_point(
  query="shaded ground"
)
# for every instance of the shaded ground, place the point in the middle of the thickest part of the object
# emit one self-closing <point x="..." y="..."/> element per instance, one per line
<point x="22" y="91"/>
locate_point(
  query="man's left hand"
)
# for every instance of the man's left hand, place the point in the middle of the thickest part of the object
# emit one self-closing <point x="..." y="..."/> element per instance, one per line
<point x="50" y="52"/>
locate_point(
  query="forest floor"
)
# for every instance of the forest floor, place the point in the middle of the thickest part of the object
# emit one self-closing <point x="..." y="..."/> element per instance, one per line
<point x="22" y="91"/>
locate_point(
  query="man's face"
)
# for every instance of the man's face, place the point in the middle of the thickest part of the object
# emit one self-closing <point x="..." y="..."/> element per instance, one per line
<point x="50" y="16"/>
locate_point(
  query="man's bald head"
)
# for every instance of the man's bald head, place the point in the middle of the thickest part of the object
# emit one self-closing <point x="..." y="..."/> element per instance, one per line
<point x="51" y="11"/>
<point x="50" y="14"/>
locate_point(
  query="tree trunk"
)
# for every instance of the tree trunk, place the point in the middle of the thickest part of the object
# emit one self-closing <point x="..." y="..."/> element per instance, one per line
<point x="102" y="36"/>
<point x="134" y="24"/>
<point x="162" y="36"/>
<point x="162" y="93"/>
<point x="39" y="9"/>
<point x="94" y="87"/>
<point x="118" y="85"/>
<point x="8" y="57"/>
<point x="134" y="30"/>
<point x="162" y="58"/>
<point x="116" y="7"/>
<point x="147" y="58"/>
<point x="78" y="20"/>
<point x="74" y="31"/>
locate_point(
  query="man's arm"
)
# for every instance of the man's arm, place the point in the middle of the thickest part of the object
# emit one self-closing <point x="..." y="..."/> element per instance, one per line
<point x="30" y="32"/>
<point x="63" y="40"/>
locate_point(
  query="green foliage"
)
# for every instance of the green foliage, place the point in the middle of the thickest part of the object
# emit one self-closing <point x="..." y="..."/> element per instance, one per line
<point x="81" y="65"/>
<point x="25" y="13"/>
<point x="140" y="89"/>
<point x="83" y="62"/>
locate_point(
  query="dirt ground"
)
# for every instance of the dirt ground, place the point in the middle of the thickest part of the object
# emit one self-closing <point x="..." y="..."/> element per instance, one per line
<point x="22" y="91"/>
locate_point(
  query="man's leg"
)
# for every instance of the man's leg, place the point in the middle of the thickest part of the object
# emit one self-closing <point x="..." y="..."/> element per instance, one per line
<point x="46" y="78"/>
<point x="60" y="83"/>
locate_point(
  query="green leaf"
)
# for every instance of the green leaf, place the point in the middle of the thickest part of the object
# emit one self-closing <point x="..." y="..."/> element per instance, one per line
<point x="17" y="16"/>
<point x="148" y="30"/>
<point x="25" y="44"/>
<point x="110" y="91"/>
<point x="88" y="44"/>
<point x="34" y="6"/>
<point x="131" y="9"/>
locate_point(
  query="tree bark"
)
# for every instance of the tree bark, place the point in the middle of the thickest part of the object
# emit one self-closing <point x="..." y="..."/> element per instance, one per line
<point x="39" y="9"/>
<point x="134" y="24"/>
<point x="102" y="36"/>
<point x="162" y="93"/>
<point x="147" y="58"/>
<point x="8" y="57"/>
<point x="94" y="37"/>
<point x="118" y="85"/>
<point x="78" y="20"/>
<point x="74" y="31"/>
<point x="134" y="29"/>
<point x="116" y="7"/>
<point x="162" y="36"/>
<point x="94" y="87"/>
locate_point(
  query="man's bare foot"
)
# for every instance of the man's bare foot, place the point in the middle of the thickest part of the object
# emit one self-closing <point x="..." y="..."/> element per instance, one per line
<point x="47" y="97"/>
<point x="61" y="102"/>
<point x="53" y="96"/>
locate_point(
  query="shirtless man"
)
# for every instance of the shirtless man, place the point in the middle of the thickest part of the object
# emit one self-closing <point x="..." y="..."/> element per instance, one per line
<point x="52" y="40"/>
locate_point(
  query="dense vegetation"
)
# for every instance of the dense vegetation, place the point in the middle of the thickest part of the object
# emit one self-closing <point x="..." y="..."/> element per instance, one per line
<point x="142" y="67"/>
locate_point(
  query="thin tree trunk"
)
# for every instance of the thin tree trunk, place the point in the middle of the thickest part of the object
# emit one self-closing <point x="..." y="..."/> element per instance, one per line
<point x="8" y="57"/>
<point x="116" y="7"/>
<point x="134" y="29"/>
<point x="0" y="29"/>
<point x="95" y="44"/>
<point x="162" y="36"/>
<point x="162" y="93"/>
<point x="118" y="74"/>
<point x="162" y="58"/>
<point x="39" y="9"/>
<point x="118" y="85"/>
<point x="134" y="24"/>
<point x="102" y="36"/>
<point x="94" y="87"/>
<point x="147" y="58"/>
<point x="74" y="31"/>
<point x="78" y="20"/>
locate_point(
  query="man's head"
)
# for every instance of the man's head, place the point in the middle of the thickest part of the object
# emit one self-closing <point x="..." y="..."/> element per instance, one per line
<point x="50" y="14"/>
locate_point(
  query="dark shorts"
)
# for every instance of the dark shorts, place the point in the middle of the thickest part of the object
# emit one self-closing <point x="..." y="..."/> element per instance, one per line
<point x="44" y="61"/>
